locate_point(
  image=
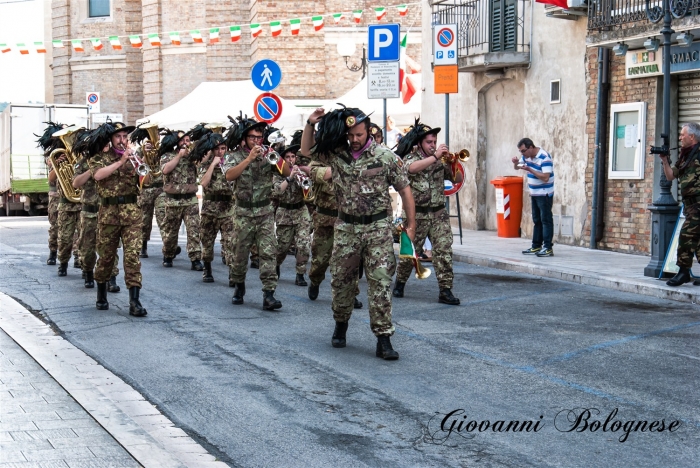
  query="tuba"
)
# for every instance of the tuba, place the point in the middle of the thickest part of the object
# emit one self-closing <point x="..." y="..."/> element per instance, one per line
<point x="150" y="157"/>
<point x="65" y="171"/>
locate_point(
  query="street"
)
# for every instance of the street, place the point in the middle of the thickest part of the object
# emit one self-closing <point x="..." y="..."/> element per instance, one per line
<point x="259" y="388"/>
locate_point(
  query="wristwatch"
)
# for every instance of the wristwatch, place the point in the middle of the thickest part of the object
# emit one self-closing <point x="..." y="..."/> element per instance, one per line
<point x="308" y="122"/>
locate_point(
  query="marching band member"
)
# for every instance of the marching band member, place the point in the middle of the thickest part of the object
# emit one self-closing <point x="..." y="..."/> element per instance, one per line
<point x="48" y="143"/>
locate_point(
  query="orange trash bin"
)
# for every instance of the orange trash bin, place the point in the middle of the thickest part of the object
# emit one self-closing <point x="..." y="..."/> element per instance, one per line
<point x="509" y="204"/>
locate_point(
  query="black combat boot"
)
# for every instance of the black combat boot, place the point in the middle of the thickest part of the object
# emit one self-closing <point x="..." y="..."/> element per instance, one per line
<point x="144" y="250"/>
<point x="338" y="340"/>
<point x="277" y="270"/>
<point x="358" y="304"/>
<point x="255" y="263"/>
<point x="207" y="277"/>
<point x="102" y="303"/>
<point x="238" y="293"/>
<point x="398" y="288"/>
<point x="89" y="279"/>
<point x="63" y="269"/>
<point x="313" y="291"/>
<point x="167" y="262"/>
<point x="178" y="251"/>
<point x="76" y="262"/>
<point x="112" y="286"/>
<point x="223" y="260"/>
<point x="197" y="265"/>
<point x="269" y="301"/>
<point x="446" y="297"/>
<point x="682" y="277"/>
<point x="52" y="257"/>
<point x="135" y="307"/>
<point x="384" y="349"/>
<point x="300" y="281"/>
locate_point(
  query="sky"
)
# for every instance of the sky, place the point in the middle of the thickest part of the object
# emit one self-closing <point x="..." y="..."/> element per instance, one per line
<point x="22" y="76"/>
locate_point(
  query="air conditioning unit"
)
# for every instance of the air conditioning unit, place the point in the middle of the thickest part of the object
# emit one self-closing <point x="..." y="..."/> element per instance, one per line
<point x="575" y="10"/>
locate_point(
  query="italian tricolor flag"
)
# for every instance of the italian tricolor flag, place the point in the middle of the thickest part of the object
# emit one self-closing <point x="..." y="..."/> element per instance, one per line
<point x="96" y="43"/>
<point x="22" y="48"/>
<point x="380" y="12"/>
<point x="235" y="33"/>
<point x="174" y="38"/>
<point x="213" y="35"/>
<point x="57" y="44"/>
<point x="407" y="250"/>
<point x="275" y="28"/>
<point x="77" y="45"/>
<point x="40" y="49"/>
<point x="408" y="88"/>
<point x="337" y="17"/>
<point x="196" y="36"/>
<point x="4" y="48"/>
<point x="357" y="15"/>
<point x="154" y="39"/>
<point x="255" y="29"/>
<point x="403" y="10"/>
<point x="114" y="42"/>
<point x="318" y="22"/>
<point x="295" y="24"/>
<point x="135" y="41"/>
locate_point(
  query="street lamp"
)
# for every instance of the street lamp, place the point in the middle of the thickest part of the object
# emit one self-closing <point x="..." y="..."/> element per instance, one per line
<point x="346" y="48"/>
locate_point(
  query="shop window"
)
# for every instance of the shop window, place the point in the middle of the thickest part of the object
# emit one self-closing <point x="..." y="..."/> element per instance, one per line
<point x="98" y="8"/>
<point x="627" y="141"/>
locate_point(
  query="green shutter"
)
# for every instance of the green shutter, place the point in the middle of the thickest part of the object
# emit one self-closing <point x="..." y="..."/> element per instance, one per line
<point x="504" y="21"/>
<point x="497" y="25"/>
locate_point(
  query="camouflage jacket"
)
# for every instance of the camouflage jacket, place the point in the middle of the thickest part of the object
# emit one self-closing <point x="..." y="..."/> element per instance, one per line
<point x="687" y="170"/>
<point x="292" y="195"/>
<point x="89" y="189"/>
<point x="254" y="185"/>
<point x="323" y="191"/>
<point x="122" y="182"/>
<point x="428" y="185"/>
<point x="218" y="185"/>
<point x="182" y="180"/>
<point x="362" y="184"/>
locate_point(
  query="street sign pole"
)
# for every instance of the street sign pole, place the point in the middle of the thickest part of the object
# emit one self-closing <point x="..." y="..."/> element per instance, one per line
<point x="385" y="123"/>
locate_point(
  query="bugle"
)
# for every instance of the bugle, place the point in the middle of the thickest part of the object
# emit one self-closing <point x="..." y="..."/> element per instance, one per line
<point x="462" y="156"/>
<point x="141" y="168"/>
<point x="306" y="186"/>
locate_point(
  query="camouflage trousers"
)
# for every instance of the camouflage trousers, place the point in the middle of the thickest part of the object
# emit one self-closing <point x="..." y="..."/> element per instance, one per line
<point x="210" y="226"/>
<point x="321" y="251"/>
<point x="152" y="201"/>
<point x="689" y="239"/>
<point x="174" y="215"/>
<point x="373" y="243"/>
<point x="53" y="223"/>
<point x="437" y="228"/>
<point x="88" y="244"/>
<point x="68" y="234"/>
<point x="108" y="237"/>
<point x="258" y="231"/>
<point x="287" y="236"/>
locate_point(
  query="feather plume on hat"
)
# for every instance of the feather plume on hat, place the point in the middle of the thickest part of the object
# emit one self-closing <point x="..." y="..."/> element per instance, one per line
<point x="205" y="144"/>
<point x="241" y="126"/>
<point x="98" y="139"/>
<point x="413" y="137"/>
<point x="169" y="141"/>
<point x="46" y="141"/>
<point x="332" y="130"/>
<point x="81" y="145"/>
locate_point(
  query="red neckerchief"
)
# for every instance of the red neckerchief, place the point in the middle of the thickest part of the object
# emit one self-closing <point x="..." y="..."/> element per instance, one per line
<point x="357" y="154"/>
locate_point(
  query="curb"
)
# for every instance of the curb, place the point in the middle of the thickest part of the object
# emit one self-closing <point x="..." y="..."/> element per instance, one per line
<point x="138" y="426"/>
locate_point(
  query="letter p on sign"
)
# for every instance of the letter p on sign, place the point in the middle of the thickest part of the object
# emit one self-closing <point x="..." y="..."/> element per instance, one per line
<point x="384" y="42"/>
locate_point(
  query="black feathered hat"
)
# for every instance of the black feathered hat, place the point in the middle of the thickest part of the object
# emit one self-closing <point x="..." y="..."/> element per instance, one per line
<point x="198" y="131"/>
<point x="81" y="147"/>
<point x="296" y="138"/>
<point x="120" y="127"/>
<point x="333" y="127"/>
<point x="292" y="148"/>
<point x="375" y="129"/>
<point x="413" y="137"/>
<point x="46" y="141"/>
<point x="140" y="134"/>
<point x="170" y="140"/>
<point x="205" y="144"/>
<point x="241" y="126"/>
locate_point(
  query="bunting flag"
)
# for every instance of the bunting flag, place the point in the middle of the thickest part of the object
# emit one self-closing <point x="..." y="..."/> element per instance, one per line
<point x="255" y="29"/>
<point x="235" y="33"/>
<point x="403" y="10"/>
<point x="337" y="17"/>
<point x="135" y="41"/>
<point x="275" y="28"/>
<point x="5" y="48"/>
<point x="154" y="39"/>
<point x="296" y="25"/>
<point x="174" y="38"/>
<point x="318" y="22"/>
<point x="213" y="35"/>
<point x="40" y="49"/>
<point x="58" y="44"/>
<point x="559" y="3"/>
<point x="114" y="42"/>
<point x="96" y="43"/>
<point x="77" y="45"/>
<point x="22" y="48"/>
<point x="357" y="15"/>
<point x="196" y="36"/>
<point x="380" y="12"/>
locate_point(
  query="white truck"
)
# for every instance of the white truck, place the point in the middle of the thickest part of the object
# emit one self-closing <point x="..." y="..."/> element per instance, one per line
<point x="24" y="183"/>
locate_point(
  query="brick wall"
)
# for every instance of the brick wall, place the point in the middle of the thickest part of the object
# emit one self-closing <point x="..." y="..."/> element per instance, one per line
<point x="627" y="220"/>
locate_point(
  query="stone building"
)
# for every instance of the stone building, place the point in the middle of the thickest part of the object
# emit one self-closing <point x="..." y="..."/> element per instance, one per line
<point x="137" y="82"/>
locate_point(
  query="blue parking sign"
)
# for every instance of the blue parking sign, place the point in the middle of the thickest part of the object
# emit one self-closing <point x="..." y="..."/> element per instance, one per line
<point x="384" y="42"/>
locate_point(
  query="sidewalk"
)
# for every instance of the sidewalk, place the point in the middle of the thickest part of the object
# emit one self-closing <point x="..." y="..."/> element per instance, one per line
<point x="61" y="408"/>
<point x="612" y="270"/>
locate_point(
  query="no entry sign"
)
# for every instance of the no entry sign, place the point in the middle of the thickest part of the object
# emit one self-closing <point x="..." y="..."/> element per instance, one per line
<point x="267" y="107"/>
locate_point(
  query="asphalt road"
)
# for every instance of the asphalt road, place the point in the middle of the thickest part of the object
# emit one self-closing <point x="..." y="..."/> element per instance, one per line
<point x="263" y="388"/>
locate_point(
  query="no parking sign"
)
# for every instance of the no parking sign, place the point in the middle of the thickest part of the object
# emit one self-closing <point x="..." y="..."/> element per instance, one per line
<point x="93" y="102"/>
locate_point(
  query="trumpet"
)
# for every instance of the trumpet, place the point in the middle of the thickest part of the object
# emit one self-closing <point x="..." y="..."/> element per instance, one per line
<point x="306" y="186"/>
<point x="462" y="156"/>
<point x="141" y="168"/>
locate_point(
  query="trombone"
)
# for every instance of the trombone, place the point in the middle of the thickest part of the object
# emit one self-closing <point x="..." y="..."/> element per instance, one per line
<point x="461" y="156"/>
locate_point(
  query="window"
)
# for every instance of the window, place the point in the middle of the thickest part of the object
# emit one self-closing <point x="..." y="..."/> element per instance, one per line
<point x="98" y="8"/>
<point x="554" y="92"/>
<point x="627" y="141"/>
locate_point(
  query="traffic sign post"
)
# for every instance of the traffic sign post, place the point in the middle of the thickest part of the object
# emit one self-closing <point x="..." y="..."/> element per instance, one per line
<point x="383" y="80"/>
<point x="266" y="75"/>
<point x="93" y="102"/>
<point x="445" y="44"/>
<point x="267" y="108"/>
<point x="384" y="43"/>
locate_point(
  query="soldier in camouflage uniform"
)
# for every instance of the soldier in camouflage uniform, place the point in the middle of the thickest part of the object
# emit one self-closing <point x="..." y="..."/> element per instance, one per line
<point x="53" y="216"/>
<point x="217" y="205"/>
<point x="68" y="229"/>
<point x="152" y="198"/>
<point x="292" y="217"/>
<point x="427" y="174"/>
<point x="119" y="217"/>
<point x="362" y="174"/>
<point x="180" y="187"/>
<point x="254" y="216"/>
<point x="687" y="171"/>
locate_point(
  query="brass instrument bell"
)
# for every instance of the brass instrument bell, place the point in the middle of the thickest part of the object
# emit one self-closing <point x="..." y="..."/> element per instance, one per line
<point x="65" y="171"/>
<point x="462" y="156"/>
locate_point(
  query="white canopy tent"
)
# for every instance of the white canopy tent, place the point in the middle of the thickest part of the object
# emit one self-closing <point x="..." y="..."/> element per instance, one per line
<point x="214" y="101"/>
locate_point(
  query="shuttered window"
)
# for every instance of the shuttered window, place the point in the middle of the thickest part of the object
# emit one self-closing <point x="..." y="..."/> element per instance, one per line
<point x="504" y="17"/>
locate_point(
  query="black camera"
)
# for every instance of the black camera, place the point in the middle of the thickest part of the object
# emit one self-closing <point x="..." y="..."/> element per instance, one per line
<point x="663" y="149"/>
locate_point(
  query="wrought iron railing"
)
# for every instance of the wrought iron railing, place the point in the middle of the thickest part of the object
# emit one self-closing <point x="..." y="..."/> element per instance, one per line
<point x="484" y="25"/>
<point x="608" y="14"/>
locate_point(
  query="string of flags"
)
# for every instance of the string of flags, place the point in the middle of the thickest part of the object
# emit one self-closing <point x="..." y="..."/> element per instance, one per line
<point x="256" y="29"/>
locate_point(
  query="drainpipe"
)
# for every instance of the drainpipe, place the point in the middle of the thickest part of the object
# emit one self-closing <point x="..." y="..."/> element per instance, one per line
<point x="601" y="120"/>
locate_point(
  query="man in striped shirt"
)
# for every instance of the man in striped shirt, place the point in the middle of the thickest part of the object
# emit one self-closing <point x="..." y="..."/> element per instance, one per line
<point x="540" y="181"/>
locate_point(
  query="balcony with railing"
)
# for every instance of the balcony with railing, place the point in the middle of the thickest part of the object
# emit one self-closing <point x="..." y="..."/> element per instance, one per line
<point x="491" y="34"/>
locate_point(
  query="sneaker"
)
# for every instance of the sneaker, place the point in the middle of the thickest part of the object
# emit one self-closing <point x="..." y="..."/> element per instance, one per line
<point x="545" y="253"/>
<point x="532" y="250"/>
